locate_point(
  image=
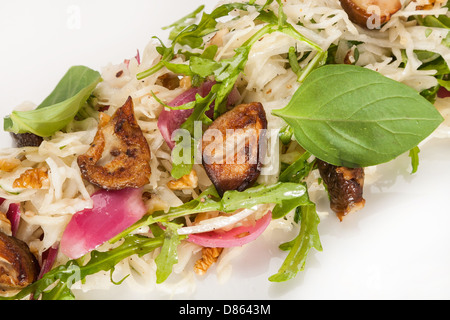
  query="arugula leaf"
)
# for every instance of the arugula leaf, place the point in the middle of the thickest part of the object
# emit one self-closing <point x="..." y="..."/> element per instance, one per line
<point x="168" y="256"/>
<point x="296" y="172"/>
<point x="59" y="108"/>
<point x="355" y="117"/>
<point x="181" y="23"/>
<point x="444" y="83"/>
<point x="299" y="248"/>
<point x="183" y="164"/>
<point x="191" y="35"/>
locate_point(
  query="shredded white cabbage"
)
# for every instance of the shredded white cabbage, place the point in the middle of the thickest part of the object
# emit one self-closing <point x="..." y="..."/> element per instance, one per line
<point x="266" y="79"/>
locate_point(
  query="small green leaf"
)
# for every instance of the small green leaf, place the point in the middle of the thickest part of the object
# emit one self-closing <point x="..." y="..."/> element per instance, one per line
<point x="355" y="117"/>
<point x="299" y="248"/>
<point x="414" y="155"/>
<point x="59" y="108"/>
<point x="168" y="256"/>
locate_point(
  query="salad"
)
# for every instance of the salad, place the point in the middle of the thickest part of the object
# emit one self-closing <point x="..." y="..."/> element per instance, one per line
<point x="168" y="164"/>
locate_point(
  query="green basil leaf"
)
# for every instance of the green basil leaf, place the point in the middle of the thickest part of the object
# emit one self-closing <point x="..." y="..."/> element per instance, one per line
<point x="59" y="108"/>
<point x="355" y="117"/>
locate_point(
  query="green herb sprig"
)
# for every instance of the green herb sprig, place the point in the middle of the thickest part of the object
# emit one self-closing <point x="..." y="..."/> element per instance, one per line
<point x="355" y="117"/>
<point x="59" y="108"/>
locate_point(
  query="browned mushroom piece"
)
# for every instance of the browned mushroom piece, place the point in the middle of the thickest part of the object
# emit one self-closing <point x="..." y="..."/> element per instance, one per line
<point x="369" y="13"/>
<point x="119" y="156"/>
<point x="26" y="140"/>
<point x="345" y="188"/>
<point x="232" y="146"/>
<point x="18" y="266"/>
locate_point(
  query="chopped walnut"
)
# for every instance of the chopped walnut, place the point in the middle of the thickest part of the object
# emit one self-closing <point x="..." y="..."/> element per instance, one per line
<point x="186" y="82"/>
<point x="427" y="4"/>
<point x="33" y="179"/>
<point x="189" y="181"/>
<point x="8" y="165"/>
<point x="5" y="224"/>
<point x="209" y="257"/>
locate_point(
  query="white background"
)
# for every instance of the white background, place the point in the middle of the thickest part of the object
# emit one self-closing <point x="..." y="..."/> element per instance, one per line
<point x="398" y="247"/>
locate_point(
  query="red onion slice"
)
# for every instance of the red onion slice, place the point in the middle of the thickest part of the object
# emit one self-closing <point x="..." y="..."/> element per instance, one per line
<point x="443" y="93"/>
<point x="13" y="216"/>
<point x="234" y="238"/>
<point x="171" y="120"/>
<point x="113" y="212"/>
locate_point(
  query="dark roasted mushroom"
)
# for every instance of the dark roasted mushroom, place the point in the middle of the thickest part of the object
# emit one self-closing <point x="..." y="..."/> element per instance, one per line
<point x="345" y="187"/>
<point x="370" y="14"/>
<point x="232" y="145"/>
<point x="26" y="140"/>
<point x="119" y="156"/>
<point x="18" y="266"/>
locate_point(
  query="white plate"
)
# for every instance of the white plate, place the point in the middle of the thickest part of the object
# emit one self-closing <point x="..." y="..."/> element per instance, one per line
<point x="398" y="247"/>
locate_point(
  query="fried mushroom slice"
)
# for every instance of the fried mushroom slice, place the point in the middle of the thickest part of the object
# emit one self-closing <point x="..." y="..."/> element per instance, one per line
<point x="119" y="156"/>
<point x="345" y="188"/>
<point x="367" y="12"/>
<point x="232" y="145"/>
<point x="18" y="266"/>
<point x="26" y="140"/>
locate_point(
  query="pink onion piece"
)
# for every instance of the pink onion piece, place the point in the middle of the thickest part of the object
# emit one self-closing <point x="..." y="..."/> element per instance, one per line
<point x="171" y="120"/>
<point x="13" y="216"/>
<point x="137" y="57"/>
<point x="443" y="93"/>
<point x="234" y="238"/>
<point x="113" y="212"/>
<point x="48" y="260"/>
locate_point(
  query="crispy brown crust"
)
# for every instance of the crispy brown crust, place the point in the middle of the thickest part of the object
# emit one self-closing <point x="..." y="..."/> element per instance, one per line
<point x="237" y="174"/>
<point x="18" y="266"/>
<point x="121" y="139"/>
<point x="360" y="16"/>
<point x="345" y="187"/>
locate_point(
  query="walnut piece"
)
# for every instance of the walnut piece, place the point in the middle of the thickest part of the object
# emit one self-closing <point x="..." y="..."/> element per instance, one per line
<point x="8" y="165"/>
<point x="188" y="181"/>
<point x="119" y="156"/>
<point x="36" y="178"/>
<point x="209" y="257"/>
<point x="427" y="4"/>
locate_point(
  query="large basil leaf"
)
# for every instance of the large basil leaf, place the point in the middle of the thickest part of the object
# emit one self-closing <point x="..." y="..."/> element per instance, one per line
<point x="352" y="116"/>
<point x="59" y="108"/>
